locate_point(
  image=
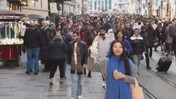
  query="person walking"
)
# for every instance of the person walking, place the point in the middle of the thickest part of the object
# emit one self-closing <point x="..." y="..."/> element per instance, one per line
<point x="102" y="43"/>
<point x="89" y="36"/>
<point x="57" y="56"/>
<point x="148" y="44"/>
<point x="118" y="71"/>
<point x="66" y="36"/>
<point x="77" y="59"/>
<point x="137" y="43"/>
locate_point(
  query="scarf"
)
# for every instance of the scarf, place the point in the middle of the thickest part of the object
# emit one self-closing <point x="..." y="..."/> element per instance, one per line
<point x="79" y="68"/>
<point x="116" y="89"/>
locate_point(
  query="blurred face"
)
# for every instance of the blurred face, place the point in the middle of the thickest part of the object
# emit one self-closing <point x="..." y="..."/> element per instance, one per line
<point x="143" y="29"/>
<point x="53" y="26"/>
<point x="108" y="19"/>
<point x="119" y="35"/>
<point x="127" y="25"/>
<point x="136" y="32"/>
<point x="89" y="27"/>
<point x="117" y="20"/>
<point x="102" y="32"/>
<point x="75" y="37"/>
<point x="117" y="49"/>
<point x="122" y="26"/>
<point x="44" y="25"/>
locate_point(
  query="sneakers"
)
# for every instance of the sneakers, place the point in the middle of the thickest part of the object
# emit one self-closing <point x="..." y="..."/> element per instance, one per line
<point x="62" y="80"/>
<point x="104" y="85"/>
<point x="148" y="67"/>
<point x="79" y="97"/>
<point x="28" y="73"/>
<point x="51" y="81"/>
<point x="36" y="73"/>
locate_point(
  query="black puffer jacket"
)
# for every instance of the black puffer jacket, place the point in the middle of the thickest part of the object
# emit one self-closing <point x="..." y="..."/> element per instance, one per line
<point x="137" y="44"/>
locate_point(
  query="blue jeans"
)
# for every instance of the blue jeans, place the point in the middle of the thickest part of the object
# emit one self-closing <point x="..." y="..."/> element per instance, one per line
<point x="76" y="85"/>
<point x="32" y="59"/>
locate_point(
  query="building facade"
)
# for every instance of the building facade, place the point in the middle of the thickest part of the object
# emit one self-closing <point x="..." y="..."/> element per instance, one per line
<point x="38" y="7"/>
<point x="3" y="4"/>
<point x="69" y="7"/>
<point x="123" y="6"/>
<point x="163" y="8"/>
<point x="26" y="6"/>
<point x="101" y="5"/>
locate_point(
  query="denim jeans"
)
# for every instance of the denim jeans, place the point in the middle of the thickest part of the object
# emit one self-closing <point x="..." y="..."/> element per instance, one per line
<point x="33" y="59"/>
<point x="76" y="85"/>
<point x="136" y="60"/>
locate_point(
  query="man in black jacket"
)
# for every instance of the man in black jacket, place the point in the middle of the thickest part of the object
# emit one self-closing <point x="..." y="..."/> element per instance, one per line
<point x="32" y="41"/>
<point x="77" y="59"/>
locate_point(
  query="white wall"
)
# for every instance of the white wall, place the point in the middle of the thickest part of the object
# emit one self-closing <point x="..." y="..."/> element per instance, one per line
<point x="40" y="4"/>
<point x="124" y="5"/>
<point x="78" y="7"/>
<point x="3" y="4"/>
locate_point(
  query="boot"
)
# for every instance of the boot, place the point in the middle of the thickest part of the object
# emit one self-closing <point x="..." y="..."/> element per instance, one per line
<point x="89" y="74"/>
<point x="84" y="71"/>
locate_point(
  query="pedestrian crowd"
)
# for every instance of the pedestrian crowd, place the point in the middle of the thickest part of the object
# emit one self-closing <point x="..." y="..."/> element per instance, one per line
<point x="113" y="45"/>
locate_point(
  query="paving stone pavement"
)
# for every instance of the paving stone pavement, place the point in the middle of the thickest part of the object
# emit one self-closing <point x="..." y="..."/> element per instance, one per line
<point x="15" y="84"/>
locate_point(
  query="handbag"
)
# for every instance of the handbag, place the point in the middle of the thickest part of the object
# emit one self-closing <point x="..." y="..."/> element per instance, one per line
<point x="90" y="65"/>
<point x="137" y="92"/>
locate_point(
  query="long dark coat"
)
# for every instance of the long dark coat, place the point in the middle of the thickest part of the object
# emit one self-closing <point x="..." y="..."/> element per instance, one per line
<point x="47" y="36"/>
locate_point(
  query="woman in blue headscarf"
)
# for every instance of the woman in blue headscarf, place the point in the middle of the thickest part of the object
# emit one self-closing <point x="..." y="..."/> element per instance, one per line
<point x="118" y="71"/>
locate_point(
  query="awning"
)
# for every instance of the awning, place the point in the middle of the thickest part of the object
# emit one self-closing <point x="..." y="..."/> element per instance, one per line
<point x="14" y="1"/>
<point x="4" y="12"/>
<point x="36" y="16"/>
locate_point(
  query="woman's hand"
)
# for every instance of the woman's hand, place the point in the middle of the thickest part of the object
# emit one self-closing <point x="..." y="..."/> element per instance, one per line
<point x="119" y="76"/>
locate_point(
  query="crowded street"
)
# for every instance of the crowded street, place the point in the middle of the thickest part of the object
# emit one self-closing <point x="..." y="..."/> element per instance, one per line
<point x="87" y="49"/>
<point x="14" y="83"/>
